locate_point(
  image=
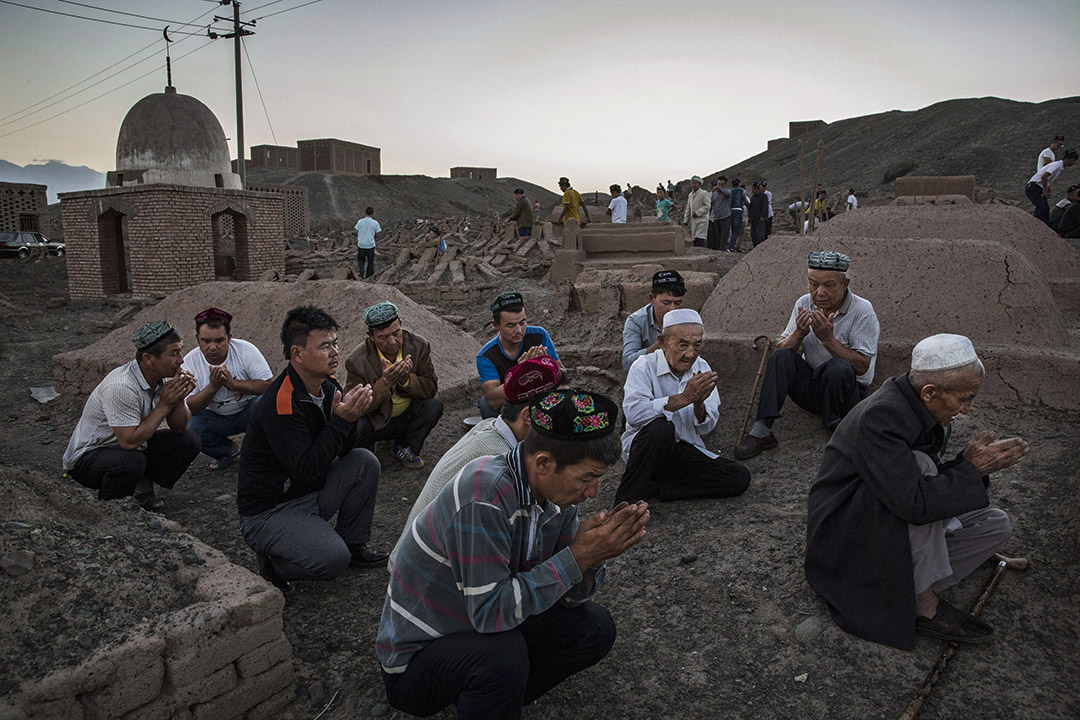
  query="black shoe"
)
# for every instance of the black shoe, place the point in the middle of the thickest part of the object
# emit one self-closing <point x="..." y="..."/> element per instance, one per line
<point x="365" y="557"/>
<point x="266" y="569"/>
<point x="751" y="446"/>
<point x="954" y="625"/>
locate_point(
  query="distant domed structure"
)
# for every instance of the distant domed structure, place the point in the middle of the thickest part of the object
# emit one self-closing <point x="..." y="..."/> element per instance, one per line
<point x="172" y="138"/>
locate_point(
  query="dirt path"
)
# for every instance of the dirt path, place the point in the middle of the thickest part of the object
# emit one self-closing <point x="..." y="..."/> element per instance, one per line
<point x="715" y="637"/>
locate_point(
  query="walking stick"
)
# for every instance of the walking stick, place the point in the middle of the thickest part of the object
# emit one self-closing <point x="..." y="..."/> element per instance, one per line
<point x="757" y="380"/>
<point x="916" y="704"/>
<point x="817" y="174"/>
<point x="801" y="209"/>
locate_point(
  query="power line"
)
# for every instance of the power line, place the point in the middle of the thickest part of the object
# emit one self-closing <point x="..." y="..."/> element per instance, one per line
<point x="251" y="67"/>
<point x="93" y="19"/>
<point x="121" y="12"/>
<point x="260" y="7"/>
<point x="108" y="92"/>
<point x="295" y="7"/>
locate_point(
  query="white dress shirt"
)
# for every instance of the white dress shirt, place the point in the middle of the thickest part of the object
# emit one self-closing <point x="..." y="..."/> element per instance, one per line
<point x="649" y="384"/>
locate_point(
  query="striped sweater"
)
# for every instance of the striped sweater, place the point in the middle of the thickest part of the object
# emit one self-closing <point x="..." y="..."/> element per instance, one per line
<point x="483" y="556"/>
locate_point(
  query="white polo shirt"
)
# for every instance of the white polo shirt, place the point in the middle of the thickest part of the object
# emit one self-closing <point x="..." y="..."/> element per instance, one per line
<point x="855" y="326"/>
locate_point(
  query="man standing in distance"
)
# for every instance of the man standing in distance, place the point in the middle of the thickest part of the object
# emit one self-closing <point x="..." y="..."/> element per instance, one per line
<point x="696" y="214"/>
<point x="366" y="229"/>
<point x="522" y="216"/>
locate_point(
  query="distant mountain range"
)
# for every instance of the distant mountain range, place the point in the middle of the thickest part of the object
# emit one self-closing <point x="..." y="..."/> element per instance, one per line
<point x="59" y="176"/>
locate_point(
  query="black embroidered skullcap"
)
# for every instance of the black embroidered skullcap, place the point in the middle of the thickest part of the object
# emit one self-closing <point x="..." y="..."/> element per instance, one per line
<point x="667" y="280"/>
<point x="149" y="334"/>
<point x="506" y="300"/>
<point x="828" y="260"/>
<point x="573" y="414"/>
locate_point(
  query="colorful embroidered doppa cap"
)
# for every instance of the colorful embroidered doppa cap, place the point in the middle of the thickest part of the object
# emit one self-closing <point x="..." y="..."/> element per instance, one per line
<point x="828" y="260"/>
<point x="380" y="314"/>
<point x="573" y="414"/>
<point x="529" y="378"/>
<point x="149" y="334"/>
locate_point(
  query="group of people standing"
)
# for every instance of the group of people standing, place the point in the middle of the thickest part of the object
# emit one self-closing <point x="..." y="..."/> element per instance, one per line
<point x="716" y="219"/>
<point x="1064" y="218"/>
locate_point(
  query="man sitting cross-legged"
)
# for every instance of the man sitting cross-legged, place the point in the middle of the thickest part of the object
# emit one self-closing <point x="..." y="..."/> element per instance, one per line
<point x="516" y="341"/>
<point x="825" y="358"/>
<point x="117" y="448"/>
<point x="493" y="436"/>
<point x="230" y="375"/>
<point x="298" y="466"/>
<point x="397" y="365"/>
<point x="670" y="402"/>
<point x="488" y="605"/>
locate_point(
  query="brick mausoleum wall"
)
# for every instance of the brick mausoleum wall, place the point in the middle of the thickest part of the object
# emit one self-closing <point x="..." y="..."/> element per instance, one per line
<point x="170" y="236"/>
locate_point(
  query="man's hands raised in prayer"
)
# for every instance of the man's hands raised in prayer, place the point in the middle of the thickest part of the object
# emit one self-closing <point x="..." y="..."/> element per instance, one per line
<point x="609" y="533"/>
<point x="988" y="454"/>
<point x="355" y="403"/>
<point x="176" y="388"/>
<point x="397" y="373"/>
<point x="534" y="352"/>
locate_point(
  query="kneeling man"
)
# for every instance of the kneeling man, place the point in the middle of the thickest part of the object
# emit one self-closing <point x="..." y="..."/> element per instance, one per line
<point x="397" y="365"/>
<point x="825" y="358"/>
<point x="230" y="375"/>
<point x="670" y="402"/>
<point x="889" y="524"/>
<point x="117" y="448"/>
<point x="298" y="466"/>
<point x="488" y="603"/>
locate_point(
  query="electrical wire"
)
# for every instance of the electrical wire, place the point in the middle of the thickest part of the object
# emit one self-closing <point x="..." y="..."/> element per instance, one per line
<point x="92" y="19"/>
<point x="107" y="92"/>
<point x="260" y="7"/>
<point x="266" y="112"/>
<point x="121" y="12"/>
<point x="295" y="7"/>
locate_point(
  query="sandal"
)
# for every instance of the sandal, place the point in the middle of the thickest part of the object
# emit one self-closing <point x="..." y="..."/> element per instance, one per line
<point x="222" y="463"/>
<point x="149" y="501"/>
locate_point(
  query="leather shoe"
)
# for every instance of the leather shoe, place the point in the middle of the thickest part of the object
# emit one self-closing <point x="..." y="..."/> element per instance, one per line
<point x="266" y="569"/>
<point x="955" y="625"/>
<point x="365" y="557"/>
<point x="751" y="446"/>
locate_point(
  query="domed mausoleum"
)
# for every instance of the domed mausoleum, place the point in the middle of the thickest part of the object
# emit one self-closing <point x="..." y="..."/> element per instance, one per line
<point x="173" y="213"/>
<point x="172" y="138"/>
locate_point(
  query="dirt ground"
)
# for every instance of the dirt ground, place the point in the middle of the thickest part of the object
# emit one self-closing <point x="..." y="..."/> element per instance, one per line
<point x="709" y="637"/>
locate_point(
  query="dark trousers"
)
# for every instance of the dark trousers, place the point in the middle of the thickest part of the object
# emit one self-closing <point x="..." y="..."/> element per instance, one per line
<point x="829" y="390"/>
<point x="757" y="232"/>
<point x="297" y="534"/>
<point x="486" y="411"/>
<point x="736" y="227"/>
<point x="365" y="255"/>
<point x="661" y="465"/>
<point x="722" y="232"/>
<point x="215" y="431"/>
<point x="768" y="227"/>
<point x="409" y="429"/>
<point x="524" y="231"/>
<point x="494" y="675"/>
<point x="114" y="472"/>
<point x="1034" y="193"/>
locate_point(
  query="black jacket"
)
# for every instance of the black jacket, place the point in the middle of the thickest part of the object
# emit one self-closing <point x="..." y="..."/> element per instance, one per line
<point x="868" y="489"/>
<point x="290" y="444"/>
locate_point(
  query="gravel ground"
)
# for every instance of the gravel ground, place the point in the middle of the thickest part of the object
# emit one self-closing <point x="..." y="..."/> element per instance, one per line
<point x="734" y="632"/>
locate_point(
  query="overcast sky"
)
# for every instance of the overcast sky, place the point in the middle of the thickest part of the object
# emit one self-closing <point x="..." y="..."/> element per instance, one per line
<point x="600" y="91"/>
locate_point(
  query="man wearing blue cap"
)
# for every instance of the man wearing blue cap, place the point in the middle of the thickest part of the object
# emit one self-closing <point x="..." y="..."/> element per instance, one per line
<point x="825" y="357"/>
<point x="117" y="448"/>
<point x="397" y="365"/>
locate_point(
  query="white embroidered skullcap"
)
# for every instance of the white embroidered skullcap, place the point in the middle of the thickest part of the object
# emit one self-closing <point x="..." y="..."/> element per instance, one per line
<point x="682" y="316"/>
<point x="942" y="352"/>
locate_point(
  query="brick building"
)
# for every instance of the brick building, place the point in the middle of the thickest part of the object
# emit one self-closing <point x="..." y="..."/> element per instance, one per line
<point x="273" y="157"/>
<point x="297" y="220"/>
<point x="339" y="157"/>
<point x="473" y="173"/>
<point x="21" y="206"/>
<point x="174" y="214"/>
<point x="801" y="127"/>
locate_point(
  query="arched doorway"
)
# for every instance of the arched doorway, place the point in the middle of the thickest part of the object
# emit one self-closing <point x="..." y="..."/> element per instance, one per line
<point x="114" y="251"/>
<point x="230" y="245"/>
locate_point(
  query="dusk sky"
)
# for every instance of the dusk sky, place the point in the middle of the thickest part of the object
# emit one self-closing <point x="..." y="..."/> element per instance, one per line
<point x="600" y="91"/>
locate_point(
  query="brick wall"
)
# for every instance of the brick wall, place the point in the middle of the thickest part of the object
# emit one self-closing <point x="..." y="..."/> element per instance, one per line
<point x="297" y="219"/>
<point x="18" y="200"/>
<point x="334" y="156"/>
<point x="914" y="185"/>
<point x="474" y="173"/>
<point x="170" y="236"/>
<point x="801" y="127"/>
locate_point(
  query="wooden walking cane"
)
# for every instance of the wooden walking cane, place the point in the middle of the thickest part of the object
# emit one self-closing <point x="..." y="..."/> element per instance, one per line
<point x="817" y="173"/>
<point x="916" y="704"/>
<point x="802" y="198"/>
<point x="757" y="380"/>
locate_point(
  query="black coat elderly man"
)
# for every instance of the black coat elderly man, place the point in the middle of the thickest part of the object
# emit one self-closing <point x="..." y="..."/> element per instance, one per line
<point x="889" y="525"/>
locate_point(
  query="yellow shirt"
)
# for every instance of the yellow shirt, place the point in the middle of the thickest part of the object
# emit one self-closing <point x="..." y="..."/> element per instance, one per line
<point x="572" y="198"/>
<point x="400" y="401"/>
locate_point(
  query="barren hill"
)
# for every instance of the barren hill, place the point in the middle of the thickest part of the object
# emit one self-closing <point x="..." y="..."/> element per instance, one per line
<point x="994" y="139"/>
<point x="336" y="201"/>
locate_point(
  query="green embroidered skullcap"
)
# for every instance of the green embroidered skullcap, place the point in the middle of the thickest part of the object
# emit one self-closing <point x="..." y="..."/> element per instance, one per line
<point x="829" y="260"/>
<point x="149" y="334"/>
<point x="510" y="299"/>
<point x="573" y="414"/>
<point x="380" y="314"/>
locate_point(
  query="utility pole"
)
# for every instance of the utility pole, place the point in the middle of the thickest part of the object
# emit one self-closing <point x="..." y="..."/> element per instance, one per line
<point x="239" y="31"/>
